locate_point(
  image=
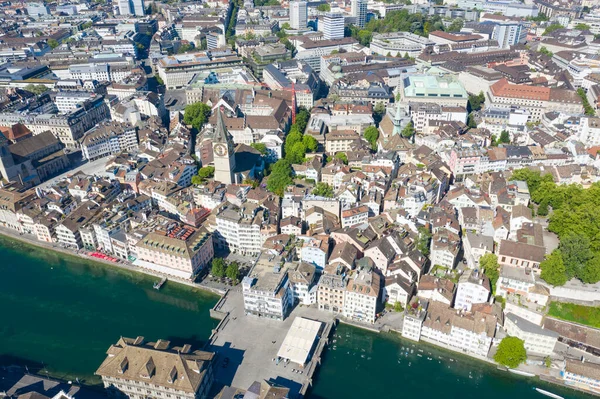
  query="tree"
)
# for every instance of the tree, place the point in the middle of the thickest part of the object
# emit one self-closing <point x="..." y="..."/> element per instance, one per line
<point x="324" y="7"/>
<point x="545" y="51"/>
<point x="280" y="177"/>
<point x="511" y="352"/>
<point x="342" y="157"/>
<point x="456" y="25"/>
<point x="542" y="209"/>
<point x="582" y="26"/>
<point x="476" y="101"/>
<point x="504" y="137"/>
<point x="489" y="266"/>
<point x="296" y="154"/>
<point x="185" y="47"/>
<point x="551" y="28"/>
<point x="197" y="180"/>
<point x="471" y="121"/>
<point x="590" y="273"/>
<point x="323" y="190"/>
<point x="206" y="172"/>
<point x="424" y="240"/>
<point x="260" y="147"/>
<point x="586" y="104"/>
<point x="553" y="269"/>
<point x="218" y="267"/>
<point x="196" y="115"/>
<point x="371" y="135"/>
<point x="159" y="80"/>
<point x="86" y="25"/>
<point x="576" y="252"/>
<point x="36" y="89"/>
<point x="409" y="130"/>
<point x="53" y="43"/>
<point x="310" y="143"/>
<point x="233" y="271"/>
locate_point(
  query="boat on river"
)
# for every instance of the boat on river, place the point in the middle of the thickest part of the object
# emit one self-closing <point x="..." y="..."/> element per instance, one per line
<point x="550" y="394"/>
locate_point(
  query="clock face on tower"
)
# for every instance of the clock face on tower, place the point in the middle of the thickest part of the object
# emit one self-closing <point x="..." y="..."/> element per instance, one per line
<point x="220" y="150"/>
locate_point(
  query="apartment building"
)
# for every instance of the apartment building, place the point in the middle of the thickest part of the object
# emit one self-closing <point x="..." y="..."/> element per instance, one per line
<point x="331" y="289"/>
<point x="315" y="251"/>
<point x="340" y="141"/>
<point x="355" y="216"/>
<point x="473" y="287"/>
<point x="471" y="333"/>
<point x="266" y="289"/>
<point x="137" y="369"/>
<point x="239" y="229"/>
<point x="179" y="251"/>
<point x="362" y="295"/>
<point x="537" y="340"/>
<point x="107" y="139"/>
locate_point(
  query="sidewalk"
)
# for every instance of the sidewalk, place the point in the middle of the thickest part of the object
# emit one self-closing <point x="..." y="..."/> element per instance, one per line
<point x="32" y="240"/>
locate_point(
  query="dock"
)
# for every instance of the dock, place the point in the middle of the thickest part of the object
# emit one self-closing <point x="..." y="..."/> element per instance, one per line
<point x="251" y="345"/>
<point x="158" y="285"/>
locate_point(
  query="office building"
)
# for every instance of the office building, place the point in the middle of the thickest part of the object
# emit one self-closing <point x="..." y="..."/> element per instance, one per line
<point x="332" y="26"/>
<point x="131" y="7"/>
<point x="359" y="11"/>
<point x="298" y="14"/>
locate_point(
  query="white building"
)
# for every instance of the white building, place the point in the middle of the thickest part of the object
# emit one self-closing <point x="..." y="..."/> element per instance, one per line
<point x="537" y="340"/>
<point x="361" y="296"/>
<point x="298" y="14"/>
<point x="266" y="288"/>
<point x="332" y="26"/>
<point x="107" y="139"/>
<point x="359" y="11"/>
<point x="471" y="333"/>
<point x="473" y="287"/>
<point x="239" y="229"/>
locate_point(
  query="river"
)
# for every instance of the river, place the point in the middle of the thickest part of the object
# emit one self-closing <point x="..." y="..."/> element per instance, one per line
<point x="62" y="313"/>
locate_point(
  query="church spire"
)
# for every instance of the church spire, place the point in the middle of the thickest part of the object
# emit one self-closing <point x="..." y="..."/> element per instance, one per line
<point x="221" y="133"/>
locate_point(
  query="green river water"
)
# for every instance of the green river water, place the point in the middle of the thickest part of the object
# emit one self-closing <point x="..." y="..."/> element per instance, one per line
<point x="61" y="314"/>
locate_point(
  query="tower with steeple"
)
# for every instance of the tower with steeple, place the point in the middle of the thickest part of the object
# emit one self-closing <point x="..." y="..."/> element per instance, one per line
<point x="223" y="152"/>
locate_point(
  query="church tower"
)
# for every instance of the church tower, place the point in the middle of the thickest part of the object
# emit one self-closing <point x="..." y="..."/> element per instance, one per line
<point x="223" y="152"/>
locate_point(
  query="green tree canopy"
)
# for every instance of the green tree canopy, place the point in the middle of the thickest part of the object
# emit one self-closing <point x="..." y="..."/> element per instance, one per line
<point x="545" y="51"/>
<point x="582" y="26"/>
<point x="342" y="157"/>
<point x="371" y="135"/>
<point x="511" y="352"/>
<point x="260" y="147"/>
<point x="218" y="267"/>
<point x="323" y="190"/>
<point x="476" y="101"/>
<point x="409" y="130"/>
<point x="553" y="269"/>
<point x="206" y="172"/>
<point x="280" y="177"/>
<point x="36" y="89"/>
<point x="233" y="271"/>
<point x="504" y="137"/>
<point x="424" y="240"/>
<point x="324" y="7"/>
<point x="310" y="143"/>
<point x="196" y="115"/>
<point x="53" y="43"/>
<point x="551" y="28"/>
<point x="489" y="266"/>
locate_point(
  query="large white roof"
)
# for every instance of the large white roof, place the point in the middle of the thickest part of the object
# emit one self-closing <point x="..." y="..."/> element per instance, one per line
<point x="299" y="340"/>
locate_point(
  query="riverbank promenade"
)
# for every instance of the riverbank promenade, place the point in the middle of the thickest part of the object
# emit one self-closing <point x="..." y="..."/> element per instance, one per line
<point x="251" y="345"/>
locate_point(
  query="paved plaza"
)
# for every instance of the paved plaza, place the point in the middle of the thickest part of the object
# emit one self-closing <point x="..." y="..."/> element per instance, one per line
<point x="251" y="343"/>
